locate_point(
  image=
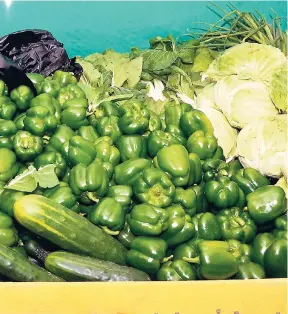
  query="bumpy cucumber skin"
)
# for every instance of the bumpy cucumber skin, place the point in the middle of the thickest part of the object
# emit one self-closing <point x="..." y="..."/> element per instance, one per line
<point x="18" y="268"/>
<point x="35" y="250"/>
<point x="67" y="229"/>
<point x="74" y="267"/>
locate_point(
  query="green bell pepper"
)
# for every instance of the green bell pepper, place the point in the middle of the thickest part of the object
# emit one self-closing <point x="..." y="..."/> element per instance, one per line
<point x="187" y="199"/>
<point x="159" y="139"/>
<point x="8" y="199"/>
<point x="22" y="96"/>
<point x="260" y="245"/>
<point x="134" y="117"/>
<point x="147" y="220"/>
<point x="132" y="146"/>
<point x="266" y="203"/>
<point x="39" y="121"/>
<point x="195" y="175"/>
<point x="54" y="158"/>
<point x="109" y="215"/>
<point x="8" y="108"/>
<point x="195" y="120"/>
<point x="242" y="252"/>
<point x="174" y="160"/>
<point x="215" y="260"/>
<point x="206" y="226"/>
<point x="8" y="165"/>
<point x="233" y="167"/>
<point x="37" y="80"/>
<point x="180" y="226"/>
<point x="105" y="109"/>
<point x="203" y="144"/>
<point x="176" y="271"/>
<point x="8" y="233"/>
<point x="74" y="113"/>
<point x="88" y="133"/>
<point x="18" y="120"/>
<point x="275" y="259"/>
<point x="108" y="167"/>
<point x="91" y="181"/>
<point x="187" y="250"/>
<point x="64" y="78"/>
<point x="3" y="89"/>
<point x="177" y="133"/>
<point x="50" y="87"/>
<point x="63" y="195"/>
<point x="250" y="270"/>
<point x="201" y="201"/>
<point x="122" y="194"/>
<point x="222" y="192"/>
<point x="68" y="92"/>
<point x="246" y="268"/>
<point x="125" y="237"/>
<point x="173" y="113"/>
<point x="106" y="151"/>
<point x="7" y="130"/>
<point x="236" y="224"/>
<point x="154" y="122"/>
<point x="78" y="150"/>
<point x="146" y="254"/>
<point x="154" y="187"/>
<point x="27" y="146"/>
<point x="213" y="169"/>
<point x="108" y="126"/>
<point x="280" y="230"/>
<point x="249" y="180"/>
<point x="129" y="171"/>
<point x="47" y="101"/>
<point x="62" y="135"/>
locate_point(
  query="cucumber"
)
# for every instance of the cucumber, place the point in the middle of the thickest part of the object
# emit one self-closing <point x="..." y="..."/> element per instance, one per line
<point x="74" y="267"/>
<point x="18" y="268"/>
<point x="67" y="229"/>
<point x="35" y="250"/>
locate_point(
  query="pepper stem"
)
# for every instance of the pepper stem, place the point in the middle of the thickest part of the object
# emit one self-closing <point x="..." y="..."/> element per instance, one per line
<point x="108" y="231"/>
<point x="240" y="221"/>
<point x="166" y="259"/>
<point x="92" y="197"/>
<point x="192" y="260"/>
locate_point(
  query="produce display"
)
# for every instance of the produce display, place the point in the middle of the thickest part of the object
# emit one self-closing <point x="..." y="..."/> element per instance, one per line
<point x="167" y="164"/>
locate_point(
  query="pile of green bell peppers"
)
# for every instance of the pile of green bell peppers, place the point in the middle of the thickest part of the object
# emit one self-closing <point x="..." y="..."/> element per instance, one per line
<point x="160" y="185"/>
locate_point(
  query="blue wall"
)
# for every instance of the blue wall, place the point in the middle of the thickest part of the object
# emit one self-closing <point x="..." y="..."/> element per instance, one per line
<point x="85" y="27"/>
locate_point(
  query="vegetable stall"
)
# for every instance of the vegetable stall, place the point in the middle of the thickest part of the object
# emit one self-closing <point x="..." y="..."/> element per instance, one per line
<point x="161" y="164"/>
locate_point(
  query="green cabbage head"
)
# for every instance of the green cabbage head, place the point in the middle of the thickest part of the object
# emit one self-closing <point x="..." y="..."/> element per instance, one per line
<point x="243" y="101"/>
<point x="263" y="145"/>
<point x="278" y="87"/>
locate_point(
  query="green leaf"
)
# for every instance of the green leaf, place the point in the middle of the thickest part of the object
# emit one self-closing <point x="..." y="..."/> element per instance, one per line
<point x="30" y="178"/>
<point x="159" y="43"/>
<point x="156" y="60"/>
<point x="186" y="51"/>
<point x="46" y="176"/>
<point x="91" y="76"/>
<point x="24" y="182"/>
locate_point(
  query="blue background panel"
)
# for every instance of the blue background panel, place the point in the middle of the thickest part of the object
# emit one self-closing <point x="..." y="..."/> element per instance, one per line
<point x="85" y="26"/>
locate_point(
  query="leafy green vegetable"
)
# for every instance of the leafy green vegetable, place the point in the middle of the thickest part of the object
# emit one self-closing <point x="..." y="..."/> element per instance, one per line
<point x="248" y="61"/>
<point x="243" y="101"/>
<point x="156" y="60"/>
<point x="262" y="145"/>
<point x="160" y="43"/>
<point x="278" y="87"/>
<point x="28" y="181"/>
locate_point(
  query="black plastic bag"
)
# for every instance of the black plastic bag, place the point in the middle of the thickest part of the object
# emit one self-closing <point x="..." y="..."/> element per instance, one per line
<point x="37" y="51"/>
<point x="13" y="76"/>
